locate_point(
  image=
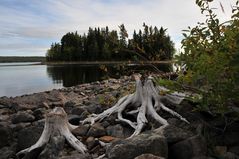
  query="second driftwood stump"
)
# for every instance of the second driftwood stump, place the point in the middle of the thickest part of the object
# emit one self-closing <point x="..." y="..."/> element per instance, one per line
<point x="56" y="127"/>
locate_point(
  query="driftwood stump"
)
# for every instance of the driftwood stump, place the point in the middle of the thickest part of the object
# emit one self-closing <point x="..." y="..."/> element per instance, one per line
<point x="56" y="123"/>
<point x="145" y="101"/>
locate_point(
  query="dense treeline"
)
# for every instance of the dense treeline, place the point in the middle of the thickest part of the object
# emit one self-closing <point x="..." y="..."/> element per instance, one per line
<point x="102" y="44"/>
<point x="22" y="58"/>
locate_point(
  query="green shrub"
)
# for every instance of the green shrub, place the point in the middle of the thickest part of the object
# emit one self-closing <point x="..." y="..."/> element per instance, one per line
<point x="211" y="59"/>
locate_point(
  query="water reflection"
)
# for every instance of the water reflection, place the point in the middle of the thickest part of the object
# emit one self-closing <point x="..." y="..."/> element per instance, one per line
<point x="70" y="75"/>
<point x="74" y="74"/>
<point x="26" y="79"/>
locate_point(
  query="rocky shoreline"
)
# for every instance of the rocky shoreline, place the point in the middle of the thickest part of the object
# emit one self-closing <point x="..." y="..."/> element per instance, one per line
<point x="22" y="122"/>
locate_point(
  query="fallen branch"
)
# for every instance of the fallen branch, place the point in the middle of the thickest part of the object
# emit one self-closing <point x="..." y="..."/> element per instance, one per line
<point x="56" y="123"/>
<point x="144" y="101"/>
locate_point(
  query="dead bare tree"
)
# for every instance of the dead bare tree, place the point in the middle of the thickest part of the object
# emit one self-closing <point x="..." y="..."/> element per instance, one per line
<point x="145" y="101"/>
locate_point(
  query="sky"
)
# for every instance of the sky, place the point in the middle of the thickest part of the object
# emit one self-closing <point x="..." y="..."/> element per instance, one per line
<point x="29" y="27"/>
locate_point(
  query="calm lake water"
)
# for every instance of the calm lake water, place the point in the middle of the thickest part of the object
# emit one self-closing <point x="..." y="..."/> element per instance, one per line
<point x="25" y="78"/>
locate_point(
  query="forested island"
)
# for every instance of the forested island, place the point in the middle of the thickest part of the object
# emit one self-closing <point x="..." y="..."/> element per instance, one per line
<point x="102" y="44"/>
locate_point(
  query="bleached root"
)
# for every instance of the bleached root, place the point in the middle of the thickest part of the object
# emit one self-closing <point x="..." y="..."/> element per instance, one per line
<point x="56" y="123"/>
<point x="119" y="107"/>
<point x="144" y="101"/>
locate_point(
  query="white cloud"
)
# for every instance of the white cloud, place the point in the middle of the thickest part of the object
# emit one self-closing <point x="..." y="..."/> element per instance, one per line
<point x="46" y="20"/>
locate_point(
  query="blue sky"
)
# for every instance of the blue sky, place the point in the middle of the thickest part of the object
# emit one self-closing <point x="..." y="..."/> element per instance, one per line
<point x="28" y="27"/>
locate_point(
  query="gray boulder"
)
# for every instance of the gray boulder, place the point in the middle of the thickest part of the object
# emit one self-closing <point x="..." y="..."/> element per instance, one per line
<point x="115" y="130"/>
<point x="90" y="142"/>
<point x="22" y="116"/>
<point x="190" y="148"/>
<point x="81" y="130"/>
<point x="28" y="136"/>
<point x="78" y="110"/>
<point x="94" y="108"/>
<point x="173" y="134"/>
<point x="74" y="119"/>
<point x="144" y="143"/>
<point x="96" y="130"/>
<point x="6" y="153"/>
<point x="17" y="127"/>
<point x="39" y="113"/>
<point x="5" y="135"/>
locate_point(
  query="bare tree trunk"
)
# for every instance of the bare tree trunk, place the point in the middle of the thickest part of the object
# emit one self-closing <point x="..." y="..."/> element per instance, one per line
<point x="145" y="101"/>
<point x="56" y="123"/>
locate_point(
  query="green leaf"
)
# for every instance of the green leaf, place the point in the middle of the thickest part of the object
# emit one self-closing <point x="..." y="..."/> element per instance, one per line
<point x="185" y="35"/>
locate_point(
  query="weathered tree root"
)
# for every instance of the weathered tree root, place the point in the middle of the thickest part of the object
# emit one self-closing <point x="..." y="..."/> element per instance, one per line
<point x="144" y="101"/>
<point x="56" y="123"/>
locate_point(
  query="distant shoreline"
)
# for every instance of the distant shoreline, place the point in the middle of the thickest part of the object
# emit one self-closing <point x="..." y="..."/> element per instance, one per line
<point x="15" y="63"/>
<point x="10" y="59"/>
<point x="41" y="60"/>
<point x="107" y="62"/>
<point x="6" y="64"/>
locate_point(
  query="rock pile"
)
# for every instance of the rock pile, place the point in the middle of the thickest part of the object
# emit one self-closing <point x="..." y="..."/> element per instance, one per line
<point x="22" y="122"/>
